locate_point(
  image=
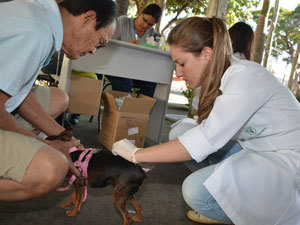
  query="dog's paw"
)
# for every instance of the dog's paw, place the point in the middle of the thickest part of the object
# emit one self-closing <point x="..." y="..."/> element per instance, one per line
<point x="71" y="213"/>
<point x="136" y="218"/>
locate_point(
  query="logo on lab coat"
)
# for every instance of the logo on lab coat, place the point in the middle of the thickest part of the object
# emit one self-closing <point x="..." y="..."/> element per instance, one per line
<point x="250" y="130"/>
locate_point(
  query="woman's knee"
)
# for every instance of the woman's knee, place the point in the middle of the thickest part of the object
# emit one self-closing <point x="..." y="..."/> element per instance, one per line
<point x="179" y="129"/>
<point x="194" y="192"/>
<point x="188" y="190"/>
<point x="59" y="101"/>
<point x="198" y="197"/>
<point x="173" y="134"/>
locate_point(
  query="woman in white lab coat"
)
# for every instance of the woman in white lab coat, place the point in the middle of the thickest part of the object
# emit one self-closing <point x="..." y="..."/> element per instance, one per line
<point x="241" y="36"/>
<point x="240" y="101"/>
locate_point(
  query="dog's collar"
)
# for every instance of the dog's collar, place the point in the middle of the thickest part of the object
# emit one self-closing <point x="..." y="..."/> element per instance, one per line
<point x="82" y="165"/>
<point x="73" y="149"/>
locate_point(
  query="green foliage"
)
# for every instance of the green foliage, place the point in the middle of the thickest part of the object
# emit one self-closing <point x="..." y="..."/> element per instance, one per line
<point x="237" y="9"/>
<point x="195" y="7"/>
<point x="135" y="90"/>
<point x="188" y="93"/>
<point x="287" y="33"/>
<point x="132" y="9"/>
<point x="240" y="10"/>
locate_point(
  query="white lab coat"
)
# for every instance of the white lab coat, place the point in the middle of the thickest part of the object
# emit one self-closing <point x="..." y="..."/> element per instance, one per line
<point x="259" y="185"/>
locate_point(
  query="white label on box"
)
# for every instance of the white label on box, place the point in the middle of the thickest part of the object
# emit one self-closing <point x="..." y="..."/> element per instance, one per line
<point x="132" y="141"/>
<point x="132" y="131"/>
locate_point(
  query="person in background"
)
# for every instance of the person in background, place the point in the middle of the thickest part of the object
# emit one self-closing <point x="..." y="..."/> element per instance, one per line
<point x="31" y="166"/>
<point x="242" y="36"/>
<point x="257" y="183"/>
<point x="136" y="30"/>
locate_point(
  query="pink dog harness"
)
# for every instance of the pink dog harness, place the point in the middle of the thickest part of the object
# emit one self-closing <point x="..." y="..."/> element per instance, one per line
<point x="81" y="164"/>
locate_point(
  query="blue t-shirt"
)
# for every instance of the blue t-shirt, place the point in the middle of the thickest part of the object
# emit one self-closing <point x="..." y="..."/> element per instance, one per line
<point x="30" y="32"/>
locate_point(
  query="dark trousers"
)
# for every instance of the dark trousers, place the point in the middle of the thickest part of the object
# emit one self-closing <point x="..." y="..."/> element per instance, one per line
<point x="126" y="85"/>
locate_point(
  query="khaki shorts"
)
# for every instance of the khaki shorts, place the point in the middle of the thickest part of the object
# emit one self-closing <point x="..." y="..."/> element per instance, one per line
<point x="43" y="96"/>
<point x="16" y="150"/>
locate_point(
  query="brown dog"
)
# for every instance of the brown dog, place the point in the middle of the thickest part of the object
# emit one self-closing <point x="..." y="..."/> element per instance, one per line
<point x="104" y="168"/>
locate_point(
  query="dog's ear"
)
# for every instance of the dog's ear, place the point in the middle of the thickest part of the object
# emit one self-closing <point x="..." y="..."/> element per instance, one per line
<point x="66" y="135"/>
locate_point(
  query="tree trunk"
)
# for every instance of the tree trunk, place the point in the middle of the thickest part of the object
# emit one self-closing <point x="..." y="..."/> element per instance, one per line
<point x="294" y="65"/>
<point x="296" y="83"/>
<point x="122" y="7"/>
<point x="271" y="33"/>
<point x="162" y="4"/>
<point x="217" y="8"/>
<point x="259" y="36"/>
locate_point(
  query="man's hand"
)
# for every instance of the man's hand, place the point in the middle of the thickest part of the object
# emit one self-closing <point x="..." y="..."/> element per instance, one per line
<point x="125" y="149"/>
<point x="63" y="147"/>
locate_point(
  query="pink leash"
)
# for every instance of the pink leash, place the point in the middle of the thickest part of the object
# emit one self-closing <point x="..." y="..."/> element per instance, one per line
<point x="81" y="166"/>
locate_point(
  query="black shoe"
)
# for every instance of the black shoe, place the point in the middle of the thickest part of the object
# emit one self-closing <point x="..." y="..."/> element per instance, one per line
<point x="67" y="124"/>
<point x="74" y="119"/>
<point x="61" y="120"/>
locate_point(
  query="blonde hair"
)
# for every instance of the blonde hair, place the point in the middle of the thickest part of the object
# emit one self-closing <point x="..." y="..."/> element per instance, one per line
<point x="192" y="35"/>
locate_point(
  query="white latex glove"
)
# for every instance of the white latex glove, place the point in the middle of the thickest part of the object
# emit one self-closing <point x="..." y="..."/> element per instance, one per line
<point x="125" y="149"/>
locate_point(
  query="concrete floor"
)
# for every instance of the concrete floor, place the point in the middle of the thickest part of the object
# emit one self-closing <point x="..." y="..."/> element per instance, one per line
<point x="160" y="195"/>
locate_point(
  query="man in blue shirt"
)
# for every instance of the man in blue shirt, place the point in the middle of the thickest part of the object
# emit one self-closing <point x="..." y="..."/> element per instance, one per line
<point x="30" y="32"/>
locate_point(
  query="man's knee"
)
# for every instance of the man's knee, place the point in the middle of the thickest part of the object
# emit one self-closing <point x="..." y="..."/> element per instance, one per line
<point x="46" y="171"/>
<point x="59" y="101"/>
<point x="55" y="172"/>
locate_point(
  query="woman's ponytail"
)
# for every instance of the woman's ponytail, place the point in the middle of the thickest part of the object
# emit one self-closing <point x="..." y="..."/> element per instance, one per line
<point x="192" y="35"/>
<point x="220" y="61"/>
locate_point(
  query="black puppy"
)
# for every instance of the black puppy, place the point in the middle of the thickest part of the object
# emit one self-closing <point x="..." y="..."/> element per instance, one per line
<point x="104" y="168"/>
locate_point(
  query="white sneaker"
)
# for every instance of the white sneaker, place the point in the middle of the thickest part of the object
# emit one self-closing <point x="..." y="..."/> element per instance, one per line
<point x="197" y="217"/>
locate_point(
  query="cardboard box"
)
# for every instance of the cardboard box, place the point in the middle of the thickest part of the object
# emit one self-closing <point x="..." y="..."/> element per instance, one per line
<point x="130" y="122"/>
<point x="84" y="94"/>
